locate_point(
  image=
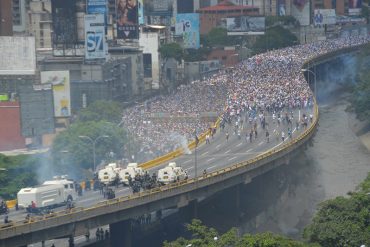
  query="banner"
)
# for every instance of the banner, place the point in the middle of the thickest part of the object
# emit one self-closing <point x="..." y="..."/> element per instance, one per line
<point x="95" y="45"/>
<point x="61" y="91"/>
<point x="354" y="7"/>
<point x="187" y="25"/>
<point x="64" y="22"/>
<point x="250" y="25"/>
<point x="301" y="11"/>
<point x="324" y="16"/>
<point x="18" y="55"/>
<point x="281" y="8"/>
<point x="127" y="19"/>
<point x="97" y="7"/>
<point x="141" y="12"/>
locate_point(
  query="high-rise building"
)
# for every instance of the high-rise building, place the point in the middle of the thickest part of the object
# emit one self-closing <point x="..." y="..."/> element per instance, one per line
<point x="6" y="23"/>
<point x="19" y="10"/>
<point x="40" y="23"/>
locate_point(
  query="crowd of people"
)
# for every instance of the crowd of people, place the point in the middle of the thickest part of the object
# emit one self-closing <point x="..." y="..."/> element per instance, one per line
<point x="268" y="82"/>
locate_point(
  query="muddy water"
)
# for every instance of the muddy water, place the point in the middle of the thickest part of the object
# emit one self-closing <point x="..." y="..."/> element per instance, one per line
<point x="335" y="164"/>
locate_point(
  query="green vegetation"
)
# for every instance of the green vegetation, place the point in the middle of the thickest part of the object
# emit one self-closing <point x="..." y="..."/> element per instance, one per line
<point x="343" y="221"/>
<point x="287" y="20"/>
<point x="203" y="236"/>
<point x="275" y="37"/>
<point x="171" y="50"/>
<point x="17" y="172"/>
<point x="360" y="101"/>
<point x="339" y="222"/>
<point x="70" y="151"/>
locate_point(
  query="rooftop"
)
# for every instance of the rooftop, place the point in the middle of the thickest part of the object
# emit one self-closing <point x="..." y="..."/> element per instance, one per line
<point x="226" y="6"/>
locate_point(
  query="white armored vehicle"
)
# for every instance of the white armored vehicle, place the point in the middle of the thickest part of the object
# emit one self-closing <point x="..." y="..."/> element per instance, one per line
<point x="171" y="173"/>
<point x="50" y="194"/>
<point x="131" y="170"/>
<point x="109" y="174"/>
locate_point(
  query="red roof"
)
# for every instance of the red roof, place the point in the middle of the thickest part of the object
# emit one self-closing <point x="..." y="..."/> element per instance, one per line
<point x="226" y="6"/>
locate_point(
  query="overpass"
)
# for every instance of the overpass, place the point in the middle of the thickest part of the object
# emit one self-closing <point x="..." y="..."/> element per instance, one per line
<point x="117" y="212"/>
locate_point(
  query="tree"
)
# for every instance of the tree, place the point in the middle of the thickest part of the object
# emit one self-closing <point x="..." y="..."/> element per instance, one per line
<point x="203" y="236"/>
<point x="218" y="37"/>
<point x="18" y="172"/>
<point x="343" y="221"/>
<point x="171" y="50"/>
<point x="192" y="55"/>
<point x="101" y="110"/>
<point x="79" y="152"/>
<point x="275" y="37"/>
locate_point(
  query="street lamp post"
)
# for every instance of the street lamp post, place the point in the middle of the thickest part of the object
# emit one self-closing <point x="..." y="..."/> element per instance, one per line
<point x="93" y="141"/>
<point x="314" y="77"/>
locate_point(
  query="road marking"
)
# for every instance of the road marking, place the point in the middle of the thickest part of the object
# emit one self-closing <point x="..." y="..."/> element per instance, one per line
<point x="239" y="144"/>
<point x="249" y="150"/>
<point x="259" y="144"/>
<point x="204" y="153"/>
<point x="232" y="158"/>
<point x="228" y="151"/>
<point x="187" y="161"/>
<point x="211" y="159"/>
<point x="211" y="167"/>
<point x="218" y="145"/>
<point x="187" y="169"/>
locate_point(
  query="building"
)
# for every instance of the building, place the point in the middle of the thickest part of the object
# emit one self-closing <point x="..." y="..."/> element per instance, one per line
<point x="40" y="23"/>
<point x="10" y="129"/>
<point x="20" y="20"/>
<point x="6" y="18"/>
<point x="211" y="17"/>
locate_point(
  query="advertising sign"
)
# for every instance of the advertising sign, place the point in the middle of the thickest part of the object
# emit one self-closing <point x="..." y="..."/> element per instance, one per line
<point x="281" y="8"/>
<point x="127" y="19"/>
<point x="301" y="11"/>
<point x="141" y="12"/>
<point x="354" y="7"/>
<point x="187" y="25"/>
<point x="97" y="7"/>
<point x="324" y="16"/>
<point x="18" y="55"/>
<point x="95" y="45"/>
<point x="61" y="91"/>
<point x="250" y="25"/>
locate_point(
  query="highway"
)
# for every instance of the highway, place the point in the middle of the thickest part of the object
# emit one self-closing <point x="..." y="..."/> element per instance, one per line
<point x="219" y="153"/>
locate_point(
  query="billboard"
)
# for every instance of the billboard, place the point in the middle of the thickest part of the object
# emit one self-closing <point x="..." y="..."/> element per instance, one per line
<point x="141" y="11"/>
<point x="324" y="16"/>
<point x="95" y="45"/>
<point x="187" y="25"/>
<point x="97" y="7"/>
<point x="250" y="25"/>
<point x="281" y="7"/>
<point x="18" y="55"/>
<point x="354" y="7"/>
<point x="127" y="19"/>
<point x="61" y="91"/>
<point x="301" y="11"/>
<point x="64" y="22"/>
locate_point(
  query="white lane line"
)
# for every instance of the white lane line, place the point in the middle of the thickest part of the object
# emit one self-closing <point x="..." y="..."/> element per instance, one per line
<point x="259" y="144"/>
<point x="187" y="161"/>
<point x="187" y="169"/>
<point x="218" y="146"/>
<point x="239" y="144"/>
<point x="232" y="158"/>
<point x="228" y="151"/>
<point x="211" y="159"/>
<point x="211" y="167"/>
<point x="250" y="150"/>
<point x="204" y="153"/>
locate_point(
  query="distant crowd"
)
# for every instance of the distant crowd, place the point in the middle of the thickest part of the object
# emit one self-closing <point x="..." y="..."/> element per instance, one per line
<point x="271" y="81"/>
